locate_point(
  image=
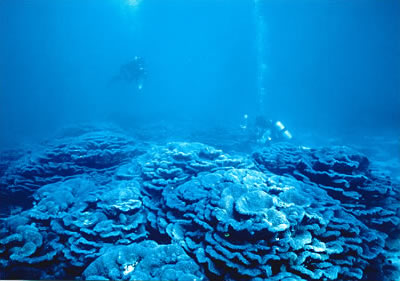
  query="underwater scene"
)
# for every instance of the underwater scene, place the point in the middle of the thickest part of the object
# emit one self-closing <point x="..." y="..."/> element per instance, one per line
<point x="200" y="140"/>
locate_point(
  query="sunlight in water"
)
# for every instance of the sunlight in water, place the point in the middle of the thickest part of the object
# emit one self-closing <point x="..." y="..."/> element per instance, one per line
<point x="134" y="3"/>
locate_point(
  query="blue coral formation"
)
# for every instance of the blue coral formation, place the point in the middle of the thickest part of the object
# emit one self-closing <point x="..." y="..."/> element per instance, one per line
<point x="79" y="220"/>
<point x="346" y="175"/>
<point x="175" y="164"/>
<point x="94" y="153"/>
<point x="242" y="224"/>
<point x="103" y="208"/>
<point x="91" y="152"/>
<point x="144" y="261"/>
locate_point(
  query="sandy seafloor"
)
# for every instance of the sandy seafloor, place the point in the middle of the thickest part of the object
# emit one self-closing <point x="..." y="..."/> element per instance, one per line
<point x="159" y="202"/>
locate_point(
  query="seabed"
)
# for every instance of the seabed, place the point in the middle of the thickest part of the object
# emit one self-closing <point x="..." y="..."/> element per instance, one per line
<point x="98" y="202"/>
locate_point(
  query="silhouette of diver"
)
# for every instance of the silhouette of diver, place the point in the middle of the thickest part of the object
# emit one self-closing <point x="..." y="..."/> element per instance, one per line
<point x="265" y="130"/>
<point x="132" y="72"/>
<point x="268" y="130"/>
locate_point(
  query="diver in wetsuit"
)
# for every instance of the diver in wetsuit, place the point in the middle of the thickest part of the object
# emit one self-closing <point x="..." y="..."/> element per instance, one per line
<point x="132" y="72"/>
<point x="267" y="131"/>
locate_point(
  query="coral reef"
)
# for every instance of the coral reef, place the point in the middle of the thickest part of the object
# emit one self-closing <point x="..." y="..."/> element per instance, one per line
<point x="71" y="223"/>
<point x="179" y="161"/>
<point x="144" y="261"/>
<point x="368" y="194"/>
<point x="242" y="224"/>
<point x="93" y="153"/>
<point x="102" y="206"/>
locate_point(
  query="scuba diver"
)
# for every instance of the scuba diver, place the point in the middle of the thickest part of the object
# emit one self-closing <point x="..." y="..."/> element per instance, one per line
<point x="267" y="131"/>
<point x="132" y="72"/>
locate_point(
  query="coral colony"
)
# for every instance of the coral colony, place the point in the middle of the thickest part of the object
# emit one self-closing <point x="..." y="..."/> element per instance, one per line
<point x="98" y="204"/>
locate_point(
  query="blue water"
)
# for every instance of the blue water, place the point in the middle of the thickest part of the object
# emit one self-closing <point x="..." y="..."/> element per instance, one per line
<point x="103" y="158"/>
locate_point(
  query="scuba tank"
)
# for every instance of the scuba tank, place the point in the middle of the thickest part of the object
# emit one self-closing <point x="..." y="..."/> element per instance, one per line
<point x="267" y="130"/>
<point x="283" y="132"/>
